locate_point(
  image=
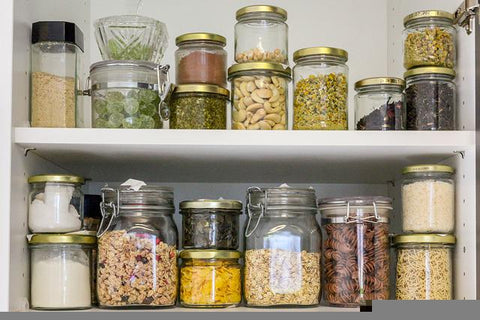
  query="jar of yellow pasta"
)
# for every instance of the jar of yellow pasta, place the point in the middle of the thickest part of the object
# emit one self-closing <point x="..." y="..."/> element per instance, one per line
<point x="210" y="278"/>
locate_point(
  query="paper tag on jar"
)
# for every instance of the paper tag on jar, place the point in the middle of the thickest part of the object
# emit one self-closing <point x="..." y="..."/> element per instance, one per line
<point x="133" y="184"/>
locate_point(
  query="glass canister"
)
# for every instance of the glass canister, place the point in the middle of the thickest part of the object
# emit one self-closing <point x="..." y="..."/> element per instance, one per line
<point x="261" y="34"/>
<point x="320" y="79"/>
<point x="429" y="39"/>
<point x="380" y="104"/>
<point x="201" y="58"/>
<point x="356" y="249"/>
<point x="55" y="60"/>
<point x="55" y="203"/>
<point x="60" y="266"/>
<point x="283" y="248"/>
<point x="430" y="98"/>
<point x="211" y="224"/>
<point x="210" y="278"/>
<point x="259" y="96"/>
<point x="424" y="266"/>
<point x="428" y="199"/>
<point x="137" y="246"/>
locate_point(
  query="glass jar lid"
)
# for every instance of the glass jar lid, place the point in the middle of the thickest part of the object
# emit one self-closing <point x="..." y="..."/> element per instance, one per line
<point x="259" y="66"/>
<point x="424" y="238"/>
<point x="62" y="239"/>
<point x="380" y="81"/>
<point x="211" y="204"/>
<point x="427" y="14"/>
<point x="353" y="209"/>
<point x="112" y="64"/>
<point x="61" y="178"/>
<point x="430" y="70"/>
<point x="428" y="168"/>
<point x="320" y="51"/>
<point x="201" y="88"/>
<point x="149" y="197"/>
<point x="200" y="36"/>
<point x="282" y="13"/>
<point x="209" y="254"/>
<point x="282" y="197"/>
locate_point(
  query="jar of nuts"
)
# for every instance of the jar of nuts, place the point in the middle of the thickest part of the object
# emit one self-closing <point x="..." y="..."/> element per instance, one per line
<point x="259" y="96"/>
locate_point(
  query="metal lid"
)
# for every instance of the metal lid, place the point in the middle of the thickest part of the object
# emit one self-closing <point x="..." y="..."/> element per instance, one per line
<point x="348" y="209"/>
<point x="386" y="81"/>
<point x="428" y="168"/>
<point x="211" y="204"/>
<point x="427" y="14"/>
<point x="203" y="88"/>
<point x="424" y="238"/>
<point x="64" y="178"/>
<point x="261" y="9"/>
<point x="259" y="66"/>
<point x="429" y="70"/>
<point x="209" y="254"/>
<point x="320" y="51"/>
<point x="124" y="63"/>
<point x="201" y="36"/>
<point x="62" y="239"/>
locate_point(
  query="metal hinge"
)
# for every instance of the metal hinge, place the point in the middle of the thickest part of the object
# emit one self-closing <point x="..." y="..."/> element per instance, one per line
<point x="465" y="14"/>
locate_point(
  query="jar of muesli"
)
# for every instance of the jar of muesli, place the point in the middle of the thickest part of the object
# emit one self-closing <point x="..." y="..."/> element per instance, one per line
<point x="137" y="246"/>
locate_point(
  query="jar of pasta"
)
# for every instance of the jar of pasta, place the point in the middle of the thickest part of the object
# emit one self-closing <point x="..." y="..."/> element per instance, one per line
<point x="210" y="278"/>
<point x="424" y="266"/>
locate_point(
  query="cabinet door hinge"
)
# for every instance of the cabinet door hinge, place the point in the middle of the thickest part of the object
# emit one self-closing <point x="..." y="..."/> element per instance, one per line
<point x="465" y="15"/>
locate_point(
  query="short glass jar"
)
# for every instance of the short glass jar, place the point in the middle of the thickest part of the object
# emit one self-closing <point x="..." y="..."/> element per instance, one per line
<point x="198" y="106"/>
<point x="259" y="96"/>
<point x="261" y="34"/>
<point x="211" y="224"/>
<point x="200" y="58"/>
<point x="430" y="98"/>
<point x="428" y="199"/>
<point x="429" y="39"/>
<point x="424" y="266"/>
<point x="380" y="104"/>
<point x="320" y="79"/>
<point x="61" y="274"/>
<point x="210" y="278"/>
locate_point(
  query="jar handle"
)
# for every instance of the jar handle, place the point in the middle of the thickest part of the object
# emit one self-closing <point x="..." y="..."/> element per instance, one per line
<point x="88" y="90"/>
<point x="105" y="215"/>
<point x="165" y="91"/>
<point x="372" y="219"/>
<point x="249" y="206"/>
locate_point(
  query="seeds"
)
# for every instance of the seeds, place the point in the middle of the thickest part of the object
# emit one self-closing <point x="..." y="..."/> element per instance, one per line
<point x="200" y="111"/>
<point x="261" y="55"/>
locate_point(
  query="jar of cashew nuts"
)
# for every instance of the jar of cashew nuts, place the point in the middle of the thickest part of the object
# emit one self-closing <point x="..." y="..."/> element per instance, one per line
<point x="259" y="96"/>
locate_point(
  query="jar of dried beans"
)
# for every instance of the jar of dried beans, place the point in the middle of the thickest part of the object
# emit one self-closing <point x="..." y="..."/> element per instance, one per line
<point x="356" y="249"/>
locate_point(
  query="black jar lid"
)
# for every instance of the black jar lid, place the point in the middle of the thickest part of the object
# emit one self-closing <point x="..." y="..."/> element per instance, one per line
<point x="60" y="31"/>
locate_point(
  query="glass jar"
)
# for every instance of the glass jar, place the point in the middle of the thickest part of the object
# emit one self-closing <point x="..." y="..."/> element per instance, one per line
<point x="356" y="253"/>
<point x="198" y="106"/>
<point x="379" y="104"/>
<point x="320" y="79"/>
<point x="60" y="267"/>
<point x="55" y="60"/>
<point x="200" y="58"/>
<point x="261" y="34"/>
<point x="428" y="199"/>
<point x="259" y="96"/>
<point x="429" y="39"/>
<point x="430" y="98"/>
<point x="55" y="203"/>
<point x="210" y="278"/>
<point x="424" y="266"/>
<point x="137" y="245"/>
<point x="211" y="224"/>
<point x="283" y="248"/>
<point x="126" y="94"/>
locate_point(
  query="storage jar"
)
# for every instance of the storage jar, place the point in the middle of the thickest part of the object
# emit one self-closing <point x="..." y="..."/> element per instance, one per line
<point x="320" y="89"/>
<point x="259" y="96"/>
<point x="210" y="278"/>
<point x="356" y="249"/>
<point x="283" y="248"/>
<point x="428" y="199"/>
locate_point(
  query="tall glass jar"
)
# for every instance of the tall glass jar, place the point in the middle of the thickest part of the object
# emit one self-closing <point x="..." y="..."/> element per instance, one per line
<point x="137" y="244"/>
<point x="259" y="96"/>
<point x="261" y="34"/>
<point x="320" y="79"/>
<point x="380" y="104"/>
<point x="282" y="248"/>
<point x="356" y="249"/>
<point x="55" y="60"/>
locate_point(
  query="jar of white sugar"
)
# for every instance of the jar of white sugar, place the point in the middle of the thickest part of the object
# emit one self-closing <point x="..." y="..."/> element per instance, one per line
<point x="55" y="203"/>
<point x="428" y="199"/>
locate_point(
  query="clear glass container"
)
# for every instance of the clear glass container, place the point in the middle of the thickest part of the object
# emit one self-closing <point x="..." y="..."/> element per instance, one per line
<point x="55" y="203"/>
<point x="259" y="96"/>
<point x="320" y="78"/>
<point x="356" y="253"/>
<point x="429" y="39"/>
<point x="430" y="98"/>
<point x="424" y="266"/>
<point x="380" y="104"/>
<point x="282" y="248"/>
<point x="428" y="199"/>
<point x="55" y="60"/>
<point x="210" y="278"/>
<point x="137" y="246"/>
<point x="261" y="34"/>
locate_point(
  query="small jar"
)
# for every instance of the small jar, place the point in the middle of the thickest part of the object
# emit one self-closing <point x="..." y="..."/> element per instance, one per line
<point x="430" y="98"/>
<point x="61" y="275"/>
<point x="320" y="79"/>
<point x="56" y="203"/>
<point x="429" y="39"/>
<point x="200" y="58"/>
<point x="259" y="96"/>
<point x="210" y="278"/>
<point x="428" y="199"/>
<point x="211" y="224"/>
<point x="198" y="106"/>
<point x="424" y="266"/>
<point x="379" y="104"/>
<point x="261" y="34"/>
